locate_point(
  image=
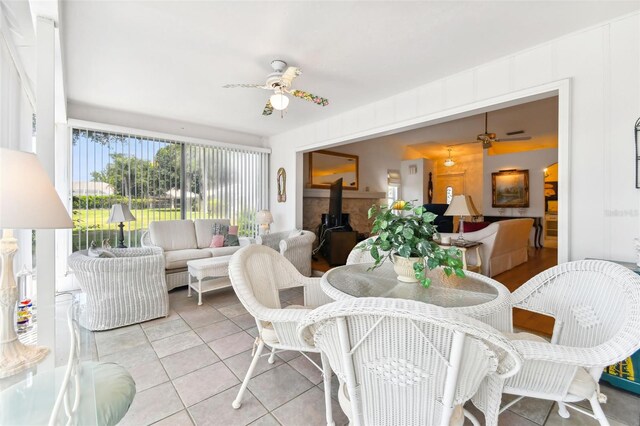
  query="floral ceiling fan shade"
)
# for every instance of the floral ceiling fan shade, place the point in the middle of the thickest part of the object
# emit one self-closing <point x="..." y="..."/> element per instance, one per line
<point x="279" y="81"/>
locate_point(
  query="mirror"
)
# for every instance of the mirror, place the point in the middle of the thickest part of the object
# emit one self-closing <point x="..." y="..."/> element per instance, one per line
<point x="326" y="167"/>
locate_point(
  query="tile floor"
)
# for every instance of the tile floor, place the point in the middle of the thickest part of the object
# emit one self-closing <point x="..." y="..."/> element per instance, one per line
<point x="188" y="368"/>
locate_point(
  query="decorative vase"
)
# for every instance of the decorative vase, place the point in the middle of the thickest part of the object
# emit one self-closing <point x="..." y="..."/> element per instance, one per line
<point x="404" y="267"/>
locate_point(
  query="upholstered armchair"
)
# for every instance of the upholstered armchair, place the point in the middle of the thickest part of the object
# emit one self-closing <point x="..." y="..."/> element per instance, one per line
<point x="294" y="245"/>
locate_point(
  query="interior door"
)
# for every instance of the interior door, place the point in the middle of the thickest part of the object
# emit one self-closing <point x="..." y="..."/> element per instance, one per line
<point x="446" y="187"/>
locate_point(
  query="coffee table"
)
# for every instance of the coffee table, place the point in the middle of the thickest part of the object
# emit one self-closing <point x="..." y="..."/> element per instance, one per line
<point x="216" y="268"/>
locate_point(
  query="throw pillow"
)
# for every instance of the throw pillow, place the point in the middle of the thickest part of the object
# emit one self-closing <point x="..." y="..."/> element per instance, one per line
<point x="231" y="240"/>
<point x="217" y="241"/>
<point x="220" y="229"/>
<point x="295" y="233"/>
<point x="474" y="226"/>
<point x="233" y="230"/>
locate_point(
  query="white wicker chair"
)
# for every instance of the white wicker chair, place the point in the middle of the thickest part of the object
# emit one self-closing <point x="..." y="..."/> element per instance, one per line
<point x="257" y="274"/>
<point x="596" y="306"/>
<point x="126" y="289"/>
<point x="406" y="362"/>
<point x="295" y="246"/>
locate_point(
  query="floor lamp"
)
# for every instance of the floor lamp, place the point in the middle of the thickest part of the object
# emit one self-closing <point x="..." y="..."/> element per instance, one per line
<point x="28" y="200"/>
<point x="461" y="205"/>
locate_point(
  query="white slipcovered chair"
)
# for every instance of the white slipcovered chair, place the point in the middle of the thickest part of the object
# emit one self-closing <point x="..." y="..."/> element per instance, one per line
<point x="257" y="274"/>
<point x="596" y="306"/>
<point x="128" y="288"/>
<point x="406" y="362"/>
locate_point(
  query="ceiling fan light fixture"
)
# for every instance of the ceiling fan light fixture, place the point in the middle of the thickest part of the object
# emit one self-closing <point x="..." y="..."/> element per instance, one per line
<point x="279" y="101"/>
<point x="449" y="161"/>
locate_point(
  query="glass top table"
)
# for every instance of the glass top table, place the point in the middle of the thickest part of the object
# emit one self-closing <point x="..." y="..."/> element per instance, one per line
<point x="474" y="295"/>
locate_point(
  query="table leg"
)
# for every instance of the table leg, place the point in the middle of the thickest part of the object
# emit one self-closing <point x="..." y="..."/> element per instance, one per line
<point x="199" y="291"/>
<point x="189" y="286"/>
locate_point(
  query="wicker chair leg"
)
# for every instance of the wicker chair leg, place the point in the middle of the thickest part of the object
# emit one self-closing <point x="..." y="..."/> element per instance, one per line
<point x="326" y="375"/>
<point x="597" y="410"/>
<point x="272" y="357"/>
<point x="562" y="410"/>
<point x="238" y="401"/>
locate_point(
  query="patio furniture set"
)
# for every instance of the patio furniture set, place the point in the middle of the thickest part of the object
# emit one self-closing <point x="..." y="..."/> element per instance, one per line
<point x="402" y="354"/>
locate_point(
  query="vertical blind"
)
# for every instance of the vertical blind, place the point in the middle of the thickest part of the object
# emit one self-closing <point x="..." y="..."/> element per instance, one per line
<point x="161" y="180"/>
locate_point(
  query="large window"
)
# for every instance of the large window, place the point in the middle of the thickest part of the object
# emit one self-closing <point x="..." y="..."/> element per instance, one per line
<point x="161" y="180"/>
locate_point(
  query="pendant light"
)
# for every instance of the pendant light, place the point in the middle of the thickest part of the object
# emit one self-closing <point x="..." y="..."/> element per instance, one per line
<point x="449" y="161"/>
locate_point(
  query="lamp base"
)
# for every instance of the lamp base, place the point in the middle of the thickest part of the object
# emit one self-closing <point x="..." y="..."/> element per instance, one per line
<point x="14" y="355"/>
<point x="121" y="236"/>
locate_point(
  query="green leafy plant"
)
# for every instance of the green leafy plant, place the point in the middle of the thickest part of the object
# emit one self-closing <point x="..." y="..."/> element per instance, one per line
<point x="409" y="231"/>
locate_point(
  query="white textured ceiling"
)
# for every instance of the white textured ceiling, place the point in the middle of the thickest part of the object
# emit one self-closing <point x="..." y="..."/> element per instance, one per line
<point x="170" y="58"/>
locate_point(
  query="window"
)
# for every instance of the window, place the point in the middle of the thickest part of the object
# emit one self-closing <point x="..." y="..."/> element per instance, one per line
<point x="160" y="180"/>
<point x="393" y="186"/>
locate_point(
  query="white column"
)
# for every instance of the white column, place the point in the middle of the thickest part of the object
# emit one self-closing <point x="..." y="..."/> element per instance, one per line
<point x="45" y="148"/>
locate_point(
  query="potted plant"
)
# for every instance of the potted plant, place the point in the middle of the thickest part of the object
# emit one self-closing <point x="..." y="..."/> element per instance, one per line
<point x="406" y="236"/>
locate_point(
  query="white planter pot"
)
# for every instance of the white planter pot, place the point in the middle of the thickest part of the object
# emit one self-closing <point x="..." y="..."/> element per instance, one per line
<point x="404" y="267"/>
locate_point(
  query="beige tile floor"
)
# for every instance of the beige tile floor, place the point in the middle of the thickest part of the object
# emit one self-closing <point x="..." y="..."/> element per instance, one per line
<point x="188" y="368"/>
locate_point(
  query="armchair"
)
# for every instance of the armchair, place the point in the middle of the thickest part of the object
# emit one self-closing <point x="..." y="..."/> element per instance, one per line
<point x="596" y="306"/>
<point x="296" y="246"/>
<point x="406" y="362"/>
<point x="126" y="289"/>
<point x="258" y="274"/>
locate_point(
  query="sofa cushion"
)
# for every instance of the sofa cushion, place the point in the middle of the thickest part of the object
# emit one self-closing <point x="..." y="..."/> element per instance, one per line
<point x="221" y="251"/>
<point x="231" y="240"/>
<point x="217" y="241"/>
<point x="204" y="230"/>
<point x="173" y="234"/>
<point x="178" y="258"/>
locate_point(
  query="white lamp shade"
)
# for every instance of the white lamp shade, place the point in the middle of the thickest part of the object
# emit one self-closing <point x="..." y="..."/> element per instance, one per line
<point x="279" y="101"/>
<point x="28" y="199"/>
<point x="120" y="213"/>
<point x="264" y="217"/>
<point x="462" y="205"/>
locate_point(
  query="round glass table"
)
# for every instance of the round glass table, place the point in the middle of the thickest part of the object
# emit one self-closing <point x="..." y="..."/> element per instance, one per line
<point x="474" y="295"/>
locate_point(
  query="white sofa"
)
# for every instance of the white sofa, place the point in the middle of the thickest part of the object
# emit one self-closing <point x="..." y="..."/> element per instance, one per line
<point x="185" y="240"/>
<point x="504" y="245"/>
<point x="294" y="245"/>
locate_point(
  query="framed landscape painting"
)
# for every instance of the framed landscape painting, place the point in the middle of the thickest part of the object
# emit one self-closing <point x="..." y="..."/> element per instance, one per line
<point x="510" y="188"/>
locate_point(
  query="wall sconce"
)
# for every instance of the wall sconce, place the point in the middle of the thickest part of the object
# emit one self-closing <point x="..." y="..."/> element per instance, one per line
<point x="546" y="173"/>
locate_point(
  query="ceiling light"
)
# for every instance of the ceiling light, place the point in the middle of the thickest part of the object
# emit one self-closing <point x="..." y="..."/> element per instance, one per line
<point x="279" y="101"/>
<point x="449" y="161"/>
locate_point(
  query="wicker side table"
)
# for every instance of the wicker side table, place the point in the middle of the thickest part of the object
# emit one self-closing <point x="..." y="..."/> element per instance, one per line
<point x="212" y="267"/>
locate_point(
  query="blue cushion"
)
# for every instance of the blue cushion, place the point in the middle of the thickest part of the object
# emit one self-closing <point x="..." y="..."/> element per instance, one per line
<point x="442" y="222"/>
<point x="31" y="401"/>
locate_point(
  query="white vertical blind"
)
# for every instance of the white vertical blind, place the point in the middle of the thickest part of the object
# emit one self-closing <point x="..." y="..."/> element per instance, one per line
<point x="148" y="175"/>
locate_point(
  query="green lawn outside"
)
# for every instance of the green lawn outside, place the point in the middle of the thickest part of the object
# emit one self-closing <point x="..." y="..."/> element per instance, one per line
<point x="99" y="217"/>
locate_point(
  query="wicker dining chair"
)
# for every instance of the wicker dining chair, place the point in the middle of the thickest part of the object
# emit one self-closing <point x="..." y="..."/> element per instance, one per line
<point x="596" y="307"/>
<point x="257" y="274"/>
<point x="406" y="362"/>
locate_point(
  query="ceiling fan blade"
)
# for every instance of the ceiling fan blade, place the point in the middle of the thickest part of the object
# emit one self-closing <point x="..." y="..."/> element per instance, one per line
<point x="463" y="143"/>
<point x="248" y="86"/>
<point x="519" y="138"/>
<point x="309" y="97"/>
<point x="268" y="108"/>
<point x="290" y="74"/>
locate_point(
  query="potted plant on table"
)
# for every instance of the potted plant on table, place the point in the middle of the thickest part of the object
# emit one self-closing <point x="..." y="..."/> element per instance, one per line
<point x="406" y="236"/>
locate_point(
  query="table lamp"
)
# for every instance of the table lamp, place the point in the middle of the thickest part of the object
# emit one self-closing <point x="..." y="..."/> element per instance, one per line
<point x="461" y="205"/>
<point x="264" y="219"/>
<point x="28" y="200"/>
<point x="120" y="213"/>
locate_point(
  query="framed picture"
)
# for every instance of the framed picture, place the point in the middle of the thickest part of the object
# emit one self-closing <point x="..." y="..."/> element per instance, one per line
<point x="510" y="188"/>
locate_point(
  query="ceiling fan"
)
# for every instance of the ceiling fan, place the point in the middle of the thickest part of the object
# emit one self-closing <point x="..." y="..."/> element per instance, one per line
<point x="487" y="139"/>
<point x="279" y="81"/>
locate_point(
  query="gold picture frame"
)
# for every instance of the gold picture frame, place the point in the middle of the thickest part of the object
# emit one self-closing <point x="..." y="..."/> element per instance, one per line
<point x="328" y="166"/>
<point x="510" y="188"/>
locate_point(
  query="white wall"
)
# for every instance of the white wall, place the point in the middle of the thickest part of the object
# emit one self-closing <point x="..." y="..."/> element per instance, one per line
<point x="603" y="65"/>
<point x="535" y="162"/>
<point x="415" y="186"/>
